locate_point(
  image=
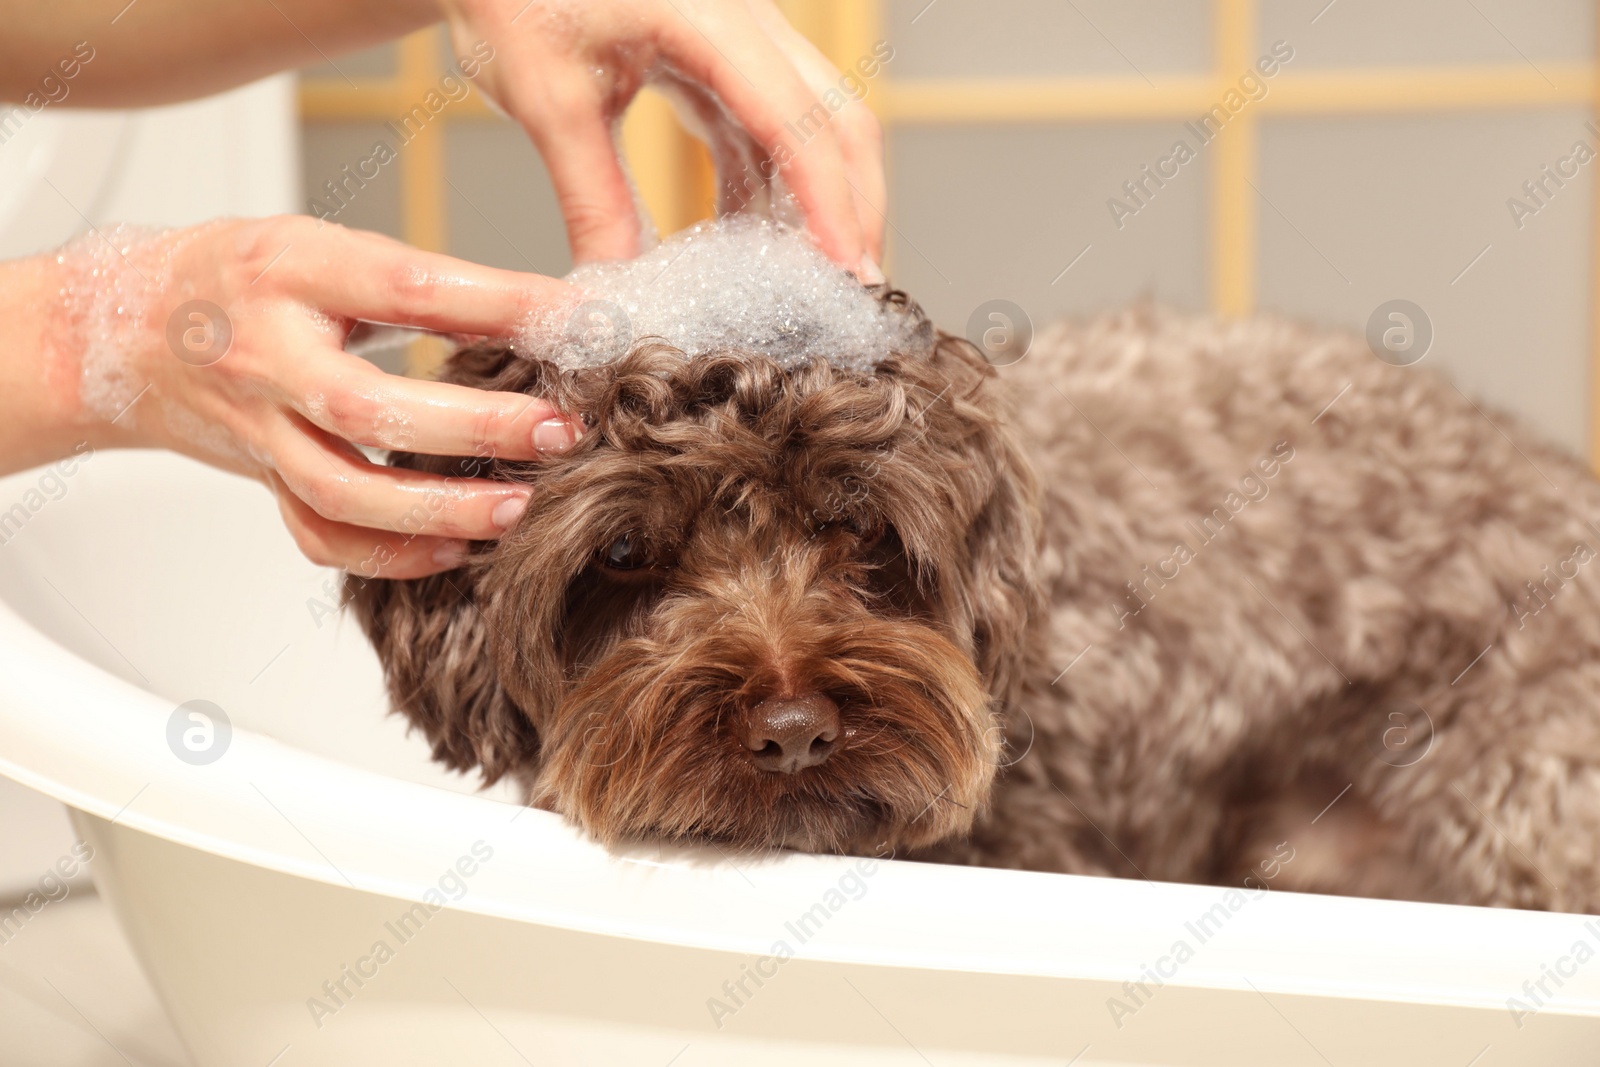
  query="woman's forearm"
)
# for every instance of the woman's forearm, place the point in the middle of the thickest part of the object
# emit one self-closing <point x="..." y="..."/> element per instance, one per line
<point x="158" y="51"/>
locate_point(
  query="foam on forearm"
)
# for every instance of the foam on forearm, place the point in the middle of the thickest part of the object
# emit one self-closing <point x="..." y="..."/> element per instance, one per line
<point x="117" y="288"/>
<point x="109" y="279"/>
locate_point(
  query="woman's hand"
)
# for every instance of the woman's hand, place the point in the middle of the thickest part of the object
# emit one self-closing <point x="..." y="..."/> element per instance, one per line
<point x="566" y="70"/>
<point x="225" y="342"/>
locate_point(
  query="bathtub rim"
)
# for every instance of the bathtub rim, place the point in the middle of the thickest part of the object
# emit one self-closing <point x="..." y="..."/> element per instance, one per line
<point x="651" y="894"/>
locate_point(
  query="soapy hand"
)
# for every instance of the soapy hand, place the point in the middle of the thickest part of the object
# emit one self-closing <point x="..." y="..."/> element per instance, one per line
<point x="225" y="342"/>
<point x="740" y="75"/>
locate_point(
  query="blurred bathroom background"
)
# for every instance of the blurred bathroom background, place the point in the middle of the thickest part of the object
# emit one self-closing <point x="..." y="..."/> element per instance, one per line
<point x="1376" y="164"/>
<point x="1384" y="158"/>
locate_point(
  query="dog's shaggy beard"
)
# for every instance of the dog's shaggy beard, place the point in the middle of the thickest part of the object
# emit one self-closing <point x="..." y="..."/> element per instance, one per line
<point x="627" y="752"/>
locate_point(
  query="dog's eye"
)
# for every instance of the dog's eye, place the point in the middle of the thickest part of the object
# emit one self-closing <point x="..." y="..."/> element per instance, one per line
<point x="626" y="553"/>
<point x="868" y="531"/>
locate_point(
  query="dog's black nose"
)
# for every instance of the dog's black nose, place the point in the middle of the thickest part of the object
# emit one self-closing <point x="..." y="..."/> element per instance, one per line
<point x="789" y="734"/>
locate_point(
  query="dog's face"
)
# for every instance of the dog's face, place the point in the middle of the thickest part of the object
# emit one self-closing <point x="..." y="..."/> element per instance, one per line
<point x="753" y="606"/>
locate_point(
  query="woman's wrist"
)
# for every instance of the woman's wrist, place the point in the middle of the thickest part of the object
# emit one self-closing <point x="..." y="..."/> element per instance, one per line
<point x="41" y="412"/>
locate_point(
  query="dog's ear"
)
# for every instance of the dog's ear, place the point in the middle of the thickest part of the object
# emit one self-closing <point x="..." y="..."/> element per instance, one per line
<point x="998" y="588"/>
<point x="1003" y="548"/>
<point x="439" y="662"/>
<point x="430" y="633"/>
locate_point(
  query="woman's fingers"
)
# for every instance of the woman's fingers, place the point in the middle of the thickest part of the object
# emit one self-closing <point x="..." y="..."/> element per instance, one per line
<point x="289" y="406"/>
<point x="337" y="483"/>
<point x="863" y="154"/>
<point x="783" y="116"/>
<point x="740" y="184"/>
<point x="343" y="509"/>
<point x="859" y="132"/>
<point x="574" y="134"/>
<point x="353" y="400"/>
<point x="363" y="552"/>
<point x="365" y="276"/>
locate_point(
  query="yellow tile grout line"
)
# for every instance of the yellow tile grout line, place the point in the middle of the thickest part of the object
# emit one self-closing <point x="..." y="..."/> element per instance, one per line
<point x="422" y="160"/>
<point x="422" y="177"/>
<point x="1594" y="280"/>
<point x="659" y="155"/>
<point x="1314" y="92"/>
<point x="856" y="28"/>
<point x="1232" y="219"/>
<point x="1354" y="92"/>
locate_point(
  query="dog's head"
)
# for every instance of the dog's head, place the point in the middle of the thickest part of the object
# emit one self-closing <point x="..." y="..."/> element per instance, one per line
<point x="753" y="605"/>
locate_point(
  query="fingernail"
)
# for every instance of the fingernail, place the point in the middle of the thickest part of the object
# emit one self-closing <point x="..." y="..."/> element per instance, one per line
<point x="869" y="272"/>
<point x="450" y="554"/>
<point x="554" y="435"/>
<point x="508" y="511"/>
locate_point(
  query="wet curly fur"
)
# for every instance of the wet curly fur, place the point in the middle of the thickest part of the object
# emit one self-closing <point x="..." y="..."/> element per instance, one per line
<point x="1266" y="596"/>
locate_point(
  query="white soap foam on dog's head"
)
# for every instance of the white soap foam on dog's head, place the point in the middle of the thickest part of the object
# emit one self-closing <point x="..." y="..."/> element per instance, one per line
<point x="739" y="284"/>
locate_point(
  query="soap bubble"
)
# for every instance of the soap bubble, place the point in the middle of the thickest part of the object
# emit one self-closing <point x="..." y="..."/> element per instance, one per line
<point x="110" y="275"/>
<point x="741" y="283"/>
<point x="599" y="330"/>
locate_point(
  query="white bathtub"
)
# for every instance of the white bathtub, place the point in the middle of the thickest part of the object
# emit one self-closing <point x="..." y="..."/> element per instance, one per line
<point x="247" y="883"/>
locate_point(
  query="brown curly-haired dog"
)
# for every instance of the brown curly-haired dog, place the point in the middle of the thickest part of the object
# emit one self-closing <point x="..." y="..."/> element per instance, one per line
<point x="1272" y="600"/>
